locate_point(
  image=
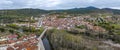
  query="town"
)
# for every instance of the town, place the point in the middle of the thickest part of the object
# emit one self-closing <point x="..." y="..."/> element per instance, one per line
<point x="59" y="24"/>
<point x="31" y="40"/>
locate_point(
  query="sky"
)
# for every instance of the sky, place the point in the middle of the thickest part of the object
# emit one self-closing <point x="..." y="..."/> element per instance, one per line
<point x="58" y="4"/>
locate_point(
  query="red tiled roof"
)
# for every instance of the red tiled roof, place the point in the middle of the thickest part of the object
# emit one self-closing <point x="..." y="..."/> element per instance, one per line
<point x="10" y="48"/>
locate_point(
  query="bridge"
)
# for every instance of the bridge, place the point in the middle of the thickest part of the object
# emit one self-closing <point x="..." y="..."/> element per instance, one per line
<point x="40" y="38"/>
<point x="40" y="44"/>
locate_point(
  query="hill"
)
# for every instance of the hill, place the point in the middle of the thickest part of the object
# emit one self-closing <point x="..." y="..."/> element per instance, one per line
<point x="36" y="12"/>
<point x="22" y="12"/>
<point x="88" y="10"/>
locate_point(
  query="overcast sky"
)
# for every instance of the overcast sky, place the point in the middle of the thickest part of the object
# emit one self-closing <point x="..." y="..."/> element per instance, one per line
<point x="58" y="4"/>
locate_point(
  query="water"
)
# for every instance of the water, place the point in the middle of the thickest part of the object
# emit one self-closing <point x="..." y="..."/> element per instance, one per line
<point x="46" y="44"/>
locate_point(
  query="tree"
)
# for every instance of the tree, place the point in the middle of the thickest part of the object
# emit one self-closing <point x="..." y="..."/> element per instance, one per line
<point x="14" y="26"/>
<point x="2" y="29"/>
<point x="11" y="31"/>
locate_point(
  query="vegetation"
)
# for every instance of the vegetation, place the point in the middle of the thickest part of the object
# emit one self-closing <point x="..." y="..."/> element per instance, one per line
<point x="22" y="12"/>
<point x="61" y="16"/>
<point x="81" y="26"/>
<point x="116" y="26"/>
<point x="21" y="31"/>
<point x="36" y="12"/>
<point x="63" y="40"/>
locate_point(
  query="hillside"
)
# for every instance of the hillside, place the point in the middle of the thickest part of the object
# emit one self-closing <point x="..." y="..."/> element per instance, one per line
<point x="37" y="12"/>
<point x="22" y="12"/>
<point x="89" y="10"/>
<point x="63" y="40"/>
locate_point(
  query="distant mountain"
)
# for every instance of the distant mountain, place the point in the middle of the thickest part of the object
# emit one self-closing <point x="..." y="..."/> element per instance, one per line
<point x="23" y="12"/>
<point x="83" y="10"/>
<point x="89" y="10"/>
<point x="37" y="12"/>
<point x="114" y="11"/>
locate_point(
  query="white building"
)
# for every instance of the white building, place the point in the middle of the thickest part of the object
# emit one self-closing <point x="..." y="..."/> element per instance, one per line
<point x="3" y="47"/>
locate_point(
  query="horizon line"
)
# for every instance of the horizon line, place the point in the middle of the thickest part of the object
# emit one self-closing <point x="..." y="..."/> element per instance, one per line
<point x="59" y="8"/>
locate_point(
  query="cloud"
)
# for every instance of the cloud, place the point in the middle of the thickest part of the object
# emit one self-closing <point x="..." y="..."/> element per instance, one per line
<point x="57" y="4"/>
<point x="5" y="3"/>
<point x="106" y="3"/>
<point x="41" y="3"/>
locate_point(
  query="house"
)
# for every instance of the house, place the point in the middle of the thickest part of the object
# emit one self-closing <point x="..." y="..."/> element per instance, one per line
<point x="3" y="39"/>
<point x="12" y="37"/>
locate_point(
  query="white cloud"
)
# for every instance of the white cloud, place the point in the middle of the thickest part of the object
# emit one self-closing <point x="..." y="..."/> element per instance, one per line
<point x="41" y="3"/>
<point x="115" y="7"/>
<point x="57" y="4"/>
<point x="6" y="2"/>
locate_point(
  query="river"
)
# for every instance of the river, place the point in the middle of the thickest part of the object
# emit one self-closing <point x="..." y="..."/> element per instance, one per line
<point x="46" y="44"/>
